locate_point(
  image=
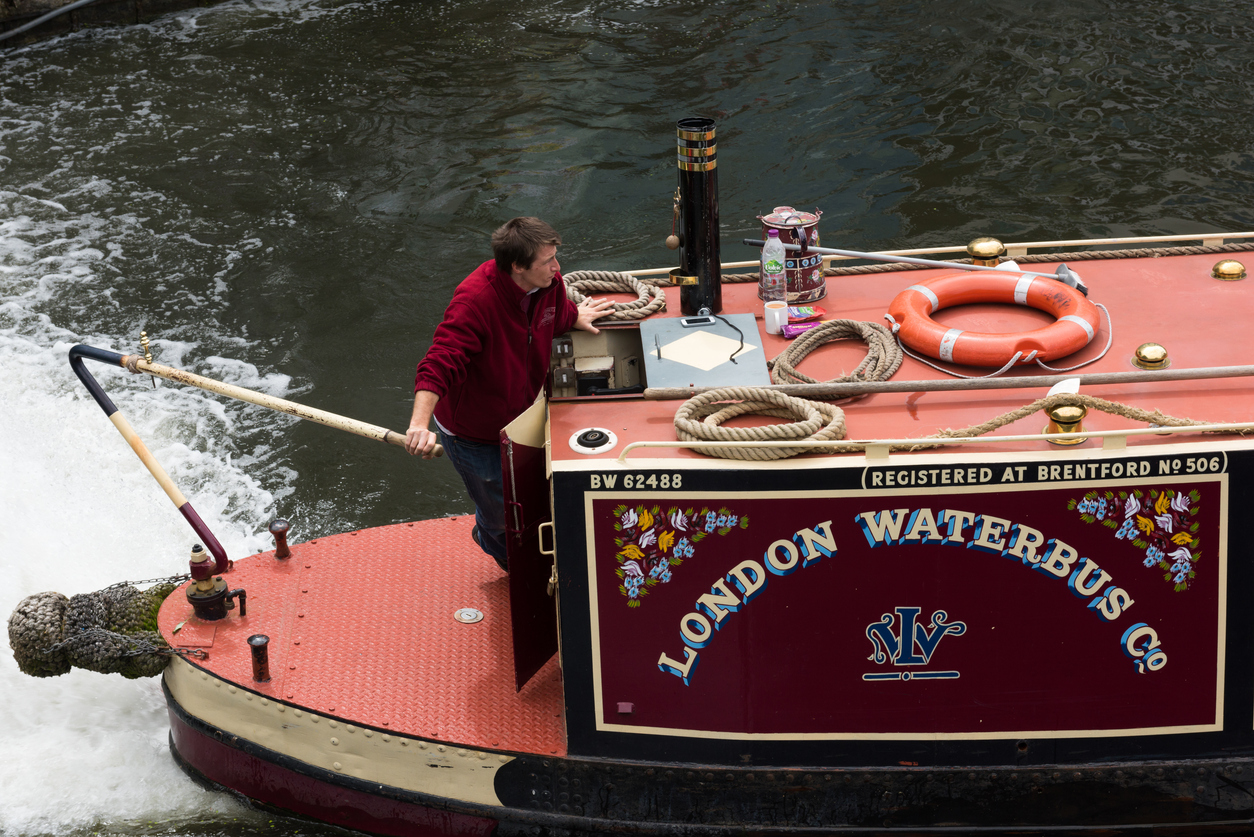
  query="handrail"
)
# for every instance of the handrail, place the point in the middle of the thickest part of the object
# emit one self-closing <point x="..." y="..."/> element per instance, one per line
<point x="77" y="355"/>
<point x="885" y="444"/>
<point x="825" y="391"/>
<point x="1012" y="249"/>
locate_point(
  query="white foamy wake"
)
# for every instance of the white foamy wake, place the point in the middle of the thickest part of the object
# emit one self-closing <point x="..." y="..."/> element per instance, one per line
<point x="79" y="512"/>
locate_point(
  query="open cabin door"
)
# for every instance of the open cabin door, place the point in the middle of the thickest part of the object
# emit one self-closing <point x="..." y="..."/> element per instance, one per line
<point x="527" y="505"/>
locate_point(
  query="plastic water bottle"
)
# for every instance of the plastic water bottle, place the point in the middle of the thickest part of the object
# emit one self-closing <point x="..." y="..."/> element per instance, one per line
<point x="773" y="284"/>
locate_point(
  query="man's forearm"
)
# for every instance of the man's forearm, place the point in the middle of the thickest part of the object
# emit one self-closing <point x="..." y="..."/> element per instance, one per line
<point x="424" y="405"/>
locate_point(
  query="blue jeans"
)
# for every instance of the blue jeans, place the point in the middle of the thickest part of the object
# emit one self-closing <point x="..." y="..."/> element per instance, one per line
<point x="479" y="466"/>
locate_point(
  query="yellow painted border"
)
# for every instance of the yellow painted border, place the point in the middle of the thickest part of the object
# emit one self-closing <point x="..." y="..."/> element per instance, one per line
<point x="727" y="496"/>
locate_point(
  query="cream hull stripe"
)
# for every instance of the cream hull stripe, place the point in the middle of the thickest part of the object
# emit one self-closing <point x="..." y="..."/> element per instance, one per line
<point x="333" y="745"/>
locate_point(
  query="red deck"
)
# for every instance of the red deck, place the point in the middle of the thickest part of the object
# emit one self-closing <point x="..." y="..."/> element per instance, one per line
<point x="1172" y="301"/>
<point x="361" y="628"/>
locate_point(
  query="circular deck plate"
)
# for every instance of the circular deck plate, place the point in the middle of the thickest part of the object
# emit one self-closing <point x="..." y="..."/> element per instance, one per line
<point x="578" y="448"/>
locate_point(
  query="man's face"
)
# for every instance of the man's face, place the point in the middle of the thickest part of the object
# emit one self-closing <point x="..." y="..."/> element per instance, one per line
<point x="541" y="272"/>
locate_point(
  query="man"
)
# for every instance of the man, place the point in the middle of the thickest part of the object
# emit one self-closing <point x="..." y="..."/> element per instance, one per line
<point x="489" y="359"/>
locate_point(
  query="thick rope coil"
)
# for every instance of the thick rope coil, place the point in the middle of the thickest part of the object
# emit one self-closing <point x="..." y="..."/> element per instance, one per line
<point x="883" y="356"/>
<point x="699" y="418"/>
<point x="649" y="298"/>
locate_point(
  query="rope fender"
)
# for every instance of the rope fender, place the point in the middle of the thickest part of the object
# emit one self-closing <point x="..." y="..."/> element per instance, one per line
<point x="649" y="298"/>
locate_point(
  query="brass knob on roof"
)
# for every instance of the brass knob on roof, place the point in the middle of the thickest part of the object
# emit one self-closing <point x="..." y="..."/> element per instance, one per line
<point x="1151" y="356"/>
<point x="1066" y="418"/>
<point x="1228" y="270"/>
<point x="986" y="251"/>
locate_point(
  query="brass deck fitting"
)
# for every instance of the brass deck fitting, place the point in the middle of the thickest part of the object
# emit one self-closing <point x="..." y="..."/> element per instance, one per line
<point x="1150" y="356"/>
<point x="1066" y="418"/>
<point x="678" y="277"/>
<point x="1228" y="270"/>
<point x="986" y="251"/>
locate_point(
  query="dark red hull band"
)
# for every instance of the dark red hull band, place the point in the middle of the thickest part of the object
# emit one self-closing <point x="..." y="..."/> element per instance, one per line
<point x="208" y="759"/>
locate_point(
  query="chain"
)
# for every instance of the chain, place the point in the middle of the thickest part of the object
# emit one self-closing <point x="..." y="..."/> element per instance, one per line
<point x="136" y="647"/>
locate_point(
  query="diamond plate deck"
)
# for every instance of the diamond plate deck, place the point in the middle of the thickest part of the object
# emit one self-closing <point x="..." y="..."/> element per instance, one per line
<point x="361" y="628"/>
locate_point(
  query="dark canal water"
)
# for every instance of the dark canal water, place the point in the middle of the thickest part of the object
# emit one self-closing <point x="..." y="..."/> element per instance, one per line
<point x="284" y="193"/>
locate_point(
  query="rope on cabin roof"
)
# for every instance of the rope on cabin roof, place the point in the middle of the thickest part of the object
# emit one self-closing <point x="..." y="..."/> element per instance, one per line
<point x="700" y="418"/>
<point x="110" y="630"/>
<point x="649" y="297"/>
<point x="883" y="357"/>
<point x="1077" y="256"/>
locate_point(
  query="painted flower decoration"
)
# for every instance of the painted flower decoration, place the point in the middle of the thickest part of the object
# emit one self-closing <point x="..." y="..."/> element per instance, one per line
<point x="1160" y="521"/>
<point x="1182" y="554"/>
<point x="651" y="542"/>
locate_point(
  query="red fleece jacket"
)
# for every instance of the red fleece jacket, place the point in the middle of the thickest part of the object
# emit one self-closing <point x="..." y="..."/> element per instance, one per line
<point x="488" y="358"/>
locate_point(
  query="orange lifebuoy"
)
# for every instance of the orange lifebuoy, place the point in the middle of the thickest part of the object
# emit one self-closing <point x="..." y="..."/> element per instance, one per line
<point x="1077" y="319"/>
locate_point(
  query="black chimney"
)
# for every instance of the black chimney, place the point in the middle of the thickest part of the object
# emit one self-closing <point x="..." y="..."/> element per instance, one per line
<point x="700" y="279"/>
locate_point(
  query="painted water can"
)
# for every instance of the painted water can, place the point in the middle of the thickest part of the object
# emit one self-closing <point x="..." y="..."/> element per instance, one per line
<point x="805" y="269"/>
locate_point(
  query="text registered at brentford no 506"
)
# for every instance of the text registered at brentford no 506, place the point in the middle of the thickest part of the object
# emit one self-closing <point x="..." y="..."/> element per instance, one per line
<point x="926" y="477"/>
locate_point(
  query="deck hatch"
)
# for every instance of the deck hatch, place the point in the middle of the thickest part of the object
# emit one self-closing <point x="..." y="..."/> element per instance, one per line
<point x="675" y="356"/>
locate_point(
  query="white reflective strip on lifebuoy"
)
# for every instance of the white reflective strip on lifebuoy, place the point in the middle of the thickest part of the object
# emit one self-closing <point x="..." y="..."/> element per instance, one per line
<point x="1083" y="323"/>
<point x="1021" y="289"/>
<point x="947" y="344"/>
<point x="929" y="293"/>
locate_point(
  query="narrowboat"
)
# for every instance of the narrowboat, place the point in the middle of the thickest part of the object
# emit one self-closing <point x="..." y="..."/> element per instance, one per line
<point x="967" y="561"/>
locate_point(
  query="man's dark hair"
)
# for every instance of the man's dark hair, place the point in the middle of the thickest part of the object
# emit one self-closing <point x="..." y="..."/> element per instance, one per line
<point x="519" y="242"/>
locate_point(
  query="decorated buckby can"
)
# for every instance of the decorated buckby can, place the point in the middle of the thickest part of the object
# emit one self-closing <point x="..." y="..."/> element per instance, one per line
<point x="805" y="269"/>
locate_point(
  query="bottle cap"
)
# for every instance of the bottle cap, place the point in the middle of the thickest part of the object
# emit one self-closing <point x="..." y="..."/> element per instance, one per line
<point x="772" y="233"/>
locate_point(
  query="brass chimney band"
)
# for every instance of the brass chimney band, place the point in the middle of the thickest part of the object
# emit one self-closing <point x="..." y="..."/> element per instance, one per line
<point x="697" y="150"/>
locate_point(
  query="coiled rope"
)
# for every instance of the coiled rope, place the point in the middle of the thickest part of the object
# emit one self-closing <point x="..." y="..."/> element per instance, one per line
<point x="883" y="356"/>
<point x="649" y="297"/>
<point x="699" y="419"/>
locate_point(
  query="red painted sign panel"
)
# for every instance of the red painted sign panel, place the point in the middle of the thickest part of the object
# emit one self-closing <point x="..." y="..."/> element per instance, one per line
<point x="1085" y="610"/>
